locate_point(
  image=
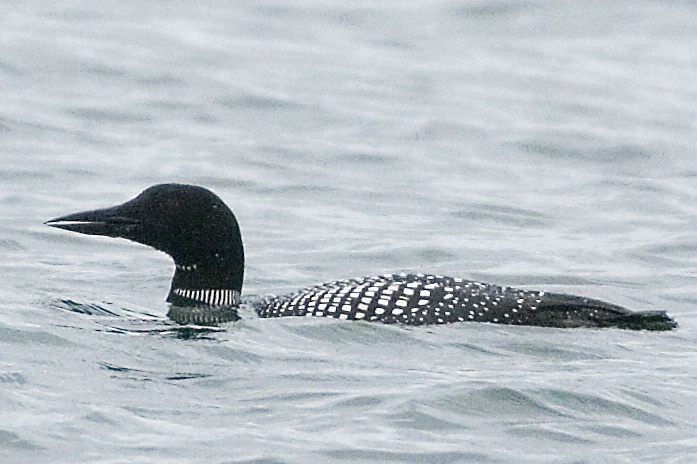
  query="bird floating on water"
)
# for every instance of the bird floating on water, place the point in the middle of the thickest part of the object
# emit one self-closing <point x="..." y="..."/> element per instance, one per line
<point x="201" y="234"/>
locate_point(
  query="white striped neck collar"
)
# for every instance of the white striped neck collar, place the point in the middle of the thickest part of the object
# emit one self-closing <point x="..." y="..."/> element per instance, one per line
<point x="209" y="297"/>
<point x="186" y="267"/>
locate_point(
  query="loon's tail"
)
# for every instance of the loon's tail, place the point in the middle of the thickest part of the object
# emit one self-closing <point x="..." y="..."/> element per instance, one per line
<point x="643" y="320"/>
<point x="560" y="310"/>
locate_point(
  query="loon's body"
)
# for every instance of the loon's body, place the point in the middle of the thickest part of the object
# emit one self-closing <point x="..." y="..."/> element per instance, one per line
<point x="199" y="231"/>
<point x="417" y="299"/>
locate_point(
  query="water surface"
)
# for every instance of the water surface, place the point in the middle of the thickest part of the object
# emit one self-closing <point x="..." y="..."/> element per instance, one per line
<point x="546" y="145"/>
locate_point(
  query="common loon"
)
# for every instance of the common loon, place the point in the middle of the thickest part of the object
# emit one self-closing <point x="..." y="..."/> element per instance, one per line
<point x="201" y="234"/>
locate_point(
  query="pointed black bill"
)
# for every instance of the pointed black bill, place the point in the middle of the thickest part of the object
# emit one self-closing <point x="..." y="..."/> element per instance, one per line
<point x="110" y="222"/>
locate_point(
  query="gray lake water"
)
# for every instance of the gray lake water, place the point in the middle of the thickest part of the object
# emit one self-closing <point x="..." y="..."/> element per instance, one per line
<point x="544" y="144"/>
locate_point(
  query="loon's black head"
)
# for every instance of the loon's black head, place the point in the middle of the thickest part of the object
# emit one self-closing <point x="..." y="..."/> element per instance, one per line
<point x="189" y="223"/>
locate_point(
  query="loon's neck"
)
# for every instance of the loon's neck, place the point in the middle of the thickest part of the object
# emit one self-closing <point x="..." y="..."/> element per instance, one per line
<point x="212" y="282"/>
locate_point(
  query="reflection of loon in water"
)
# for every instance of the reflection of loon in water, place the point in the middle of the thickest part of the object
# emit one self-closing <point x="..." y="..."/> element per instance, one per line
<point x="201" y="234"/>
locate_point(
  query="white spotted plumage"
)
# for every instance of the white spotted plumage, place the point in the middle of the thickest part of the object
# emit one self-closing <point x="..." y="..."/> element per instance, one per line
<point x="413" y="299"/>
